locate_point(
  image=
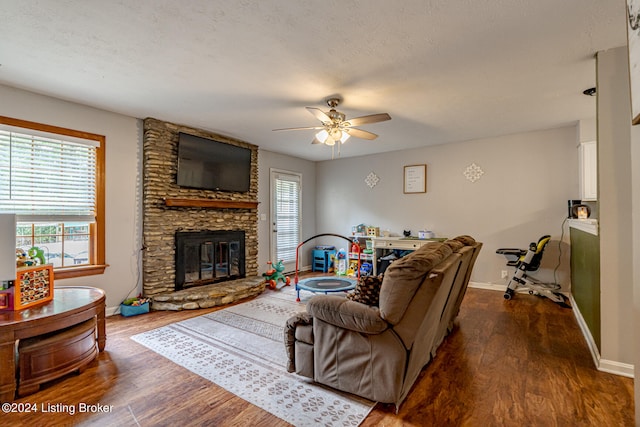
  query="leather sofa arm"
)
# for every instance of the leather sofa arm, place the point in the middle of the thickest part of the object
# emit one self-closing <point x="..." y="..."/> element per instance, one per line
<point x="298" y="320"/>
<point x="347" y="314"/>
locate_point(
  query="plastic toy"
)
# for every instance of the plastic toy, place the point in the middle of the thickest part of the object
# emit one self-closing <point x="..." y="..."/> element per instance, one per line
<point x="366" y="269"/>
<point x="352" y="271"/>
<point x="23" y="260"/>
<point x="274" y="274"/>
<point x="341" y="262"/>
<point x="37" y="253"/>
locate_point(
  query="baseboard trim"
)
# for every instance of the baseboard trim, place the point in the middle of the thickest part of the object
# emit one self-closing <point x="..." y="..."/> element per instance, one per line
<point x="488" y="286"/>
<point x="603" y="365"/>
<point x="586" y="333"/>
<point x="616" y="368"/>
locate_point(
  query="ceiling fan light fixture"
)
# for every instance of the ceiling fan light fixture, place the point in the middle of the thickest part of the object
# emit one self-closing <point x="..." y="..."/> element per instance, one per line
<point x="322" y="135"/>
<point x="332" y="136"/>
<point x="335" y="129"/>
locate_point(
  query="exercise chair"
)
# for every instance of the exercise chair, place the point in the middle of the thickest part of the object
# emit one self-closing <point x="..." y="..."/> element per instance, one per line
<point x="528" y="260"/>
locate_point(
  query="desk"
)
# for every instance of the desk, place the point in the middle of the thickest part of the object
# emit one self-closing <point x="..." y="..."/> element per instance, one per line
<point x="70" y="306"/>
<point x="401" y="243"/>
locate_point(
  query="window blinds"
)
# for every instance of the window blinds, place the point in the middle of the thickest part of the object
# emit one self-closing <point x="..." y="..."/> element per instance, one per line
<point x="287" y="216"/>
<point x="47" y="179"/>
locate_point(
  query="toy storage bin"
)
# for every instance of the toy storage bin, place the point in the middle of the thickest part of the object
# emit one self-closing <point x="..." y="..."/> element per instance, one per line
<point x="134" y="310"/>
<point x="321" y="260"/>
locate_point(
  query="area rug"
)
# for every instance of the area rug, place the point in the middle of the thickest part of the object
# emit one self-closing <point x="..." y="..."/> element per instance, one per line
<point x="241" y="349"/>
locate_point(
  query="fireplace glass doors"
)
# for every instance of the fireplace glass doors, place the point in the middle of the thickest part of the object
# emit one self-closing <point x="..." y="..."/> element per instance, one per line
<point x="204" y="257"/>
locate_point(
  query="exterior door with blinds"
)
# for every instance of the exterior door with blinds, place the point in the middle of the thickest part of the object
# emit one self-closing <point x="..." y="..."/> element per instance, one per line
<point x="285" y="216"/>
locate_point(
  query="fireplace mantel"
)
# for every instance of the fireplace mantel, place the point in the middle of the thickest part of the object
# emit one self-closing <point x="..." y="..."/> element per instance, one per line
<point x="210" y="203"/>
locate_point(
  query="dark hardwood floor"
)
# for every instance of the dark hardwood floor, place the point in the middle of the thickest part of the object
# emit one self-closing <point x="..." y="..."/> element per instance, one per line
<point x="508" y="363"/>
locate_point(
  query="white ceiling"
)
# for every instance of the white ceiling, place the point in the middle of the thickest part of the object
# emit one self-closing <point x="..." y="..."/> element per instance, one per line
<point x="445" y="70"/>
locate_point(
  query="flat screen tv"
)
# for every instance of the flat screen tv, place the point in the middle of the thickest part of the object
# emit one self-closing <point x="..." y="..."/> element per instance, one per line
<point x="212" y="165"/>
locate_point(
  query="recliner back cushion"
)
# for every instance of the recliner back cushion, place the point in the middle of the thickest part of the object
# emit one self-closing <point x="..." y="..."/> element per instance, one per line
<point x="404" y="276"/>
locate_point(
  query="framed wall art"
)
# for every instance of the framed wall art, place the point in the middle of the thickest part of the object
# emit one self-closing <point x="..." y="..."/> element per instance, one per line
<point x="415" y="179"/>
<point x="633" y="35"/>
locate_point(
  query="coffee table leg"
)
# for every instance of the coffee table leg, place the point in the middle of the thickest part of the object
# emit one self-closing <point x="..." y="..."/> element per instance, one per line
<point x="102" y="333"/>
<point x="7" y="367"/>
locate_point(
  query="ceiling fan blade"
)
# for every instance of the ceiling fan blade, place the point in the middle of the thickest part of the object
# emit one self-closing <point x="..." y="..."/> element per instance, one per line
<point x="319" y="114"/>
<point x="303" y="128"/>
<point x="359" y="133"/>
<point x="372" y="118"/>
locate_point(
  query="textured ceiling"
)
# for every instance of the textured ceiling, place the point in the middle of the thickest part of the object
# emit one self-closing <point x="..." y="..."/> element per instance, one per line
<point x="444" y="70"/>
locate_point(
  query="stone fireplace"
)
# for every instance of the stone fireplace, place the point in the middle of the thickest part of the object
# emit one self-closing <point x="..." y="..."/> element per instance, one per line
<point x="169" y="210"/>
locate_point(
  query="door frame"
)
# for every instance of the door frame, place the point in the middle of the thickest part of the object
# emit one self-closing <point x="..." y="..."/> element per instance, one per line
<point x="273" y="173"/>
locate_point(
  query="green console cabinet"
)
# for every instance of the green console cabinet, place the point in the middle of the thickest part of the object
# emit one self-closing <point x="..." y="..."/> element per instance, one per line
<point x="585" y="277"/>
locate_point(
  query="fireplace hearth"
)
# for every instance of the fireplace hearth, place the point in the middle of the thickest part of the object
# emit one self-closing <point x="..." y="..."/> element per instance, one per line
<point x="206" y="257"/>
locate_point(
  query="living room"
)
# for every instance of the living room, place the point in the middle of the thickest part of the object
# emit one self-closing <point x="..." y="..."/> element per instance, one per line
<point x="528" y="176"/>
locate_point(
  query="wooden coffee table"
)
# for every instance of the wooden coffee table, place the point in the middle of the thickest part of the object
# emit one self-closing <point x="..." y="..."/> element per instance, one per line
<point x="70" y="306"/>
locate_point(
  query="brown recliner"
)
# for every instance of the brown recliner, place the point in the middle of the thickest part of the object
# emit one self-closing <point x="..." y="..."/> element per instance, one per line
<point x="378" y="352"/>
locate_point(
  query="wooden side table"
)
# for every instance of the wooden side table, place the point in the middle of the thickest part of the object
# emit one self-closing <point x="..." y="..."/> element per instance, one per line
<point x="71" y="305"/>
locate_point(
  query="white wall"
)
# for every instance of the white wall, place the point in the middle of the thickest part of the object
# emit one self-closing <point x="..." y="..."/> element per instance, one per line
<point x="521" y="196"/>
<point x="614" y="194"/>
<point x="635" y="212"/>
<point x="635" y="185"/>
<point x="123" y="166"/>
<point x="266" y="161"/>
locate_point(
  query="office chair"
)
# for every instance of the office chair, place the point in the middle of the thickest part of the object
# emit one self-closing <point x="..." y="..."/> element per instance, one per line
<point x="528" y="260"/>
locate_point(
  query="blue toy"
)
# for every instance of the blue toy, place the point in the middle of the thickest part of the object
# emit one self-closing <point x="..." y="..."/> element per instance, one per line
<point x="366" y="269"/>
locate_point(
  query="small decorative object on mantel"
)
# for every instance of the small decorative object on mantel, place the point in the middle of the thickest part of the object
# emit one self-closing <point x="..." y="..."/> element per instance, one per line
<point x="415" y="179"/>
<point x="371" y="179"/>
<point x="473" y="172"/>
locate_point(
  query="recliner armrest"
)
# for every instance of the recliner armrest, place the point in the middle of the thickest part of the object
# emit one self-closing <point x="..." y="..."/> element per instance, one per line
<point x="344" y="313"/>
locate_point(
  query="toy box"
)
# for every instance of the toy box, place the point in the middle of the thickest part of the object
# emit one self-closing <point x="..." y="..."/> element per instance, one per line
<point x="134" y="310"/>
<point x="33" y="286"/>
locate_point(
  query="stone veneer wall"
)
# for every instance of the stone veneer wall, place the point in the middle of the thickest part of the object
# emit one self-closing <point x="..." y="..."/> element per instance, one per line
<point x="160" y="163"/>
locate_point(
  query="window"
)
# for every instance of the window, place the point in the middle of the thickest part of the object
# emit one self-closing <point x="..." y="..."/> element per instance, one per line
<point x="286" y="216"/>
<point x="53" y="180"/>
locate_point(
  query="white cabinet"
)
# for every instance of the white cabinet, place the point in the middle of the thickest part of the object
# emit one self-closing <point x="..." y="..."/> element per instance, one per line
<point x="403" y="243"/>
<point x="588" y="164"/>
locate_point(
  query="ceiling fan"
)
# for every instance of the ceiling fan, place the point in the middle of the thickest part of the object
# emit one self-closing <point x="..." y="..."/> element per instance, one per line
<point x="336" y="129"/>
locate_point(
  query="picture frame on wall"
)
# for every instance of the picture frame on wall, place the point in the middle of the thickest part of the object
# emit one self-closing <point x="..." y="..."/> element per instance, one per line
<point x="633" y="36"/>
<point x="415" y="179"/>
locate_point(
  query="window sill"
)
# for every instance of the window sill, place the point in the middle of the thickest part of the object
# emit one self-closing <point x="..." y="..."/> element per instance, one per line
<point x="70" y="272"/>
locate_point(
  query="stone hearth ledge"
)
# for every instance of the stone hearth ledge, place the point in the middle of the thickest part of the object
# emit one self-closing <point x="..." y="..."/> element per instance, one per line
<point x="208" y="296"/>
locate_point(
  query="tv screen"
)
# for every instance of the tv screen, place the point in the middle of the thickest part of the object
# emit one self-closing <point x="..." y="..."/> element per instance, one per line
<point x="212" y="165"/>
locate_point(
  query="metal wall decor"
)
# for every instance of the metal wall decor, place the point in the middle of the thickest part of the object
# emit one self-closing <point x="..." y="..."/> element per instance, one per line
<point x="371" y="179"/>
<point x="473" y="172"/>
